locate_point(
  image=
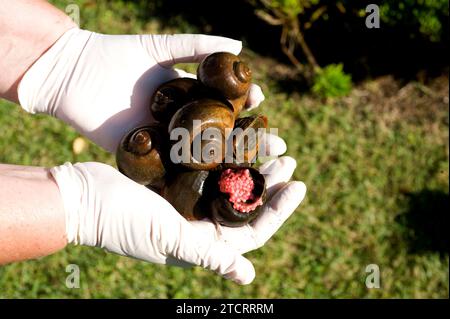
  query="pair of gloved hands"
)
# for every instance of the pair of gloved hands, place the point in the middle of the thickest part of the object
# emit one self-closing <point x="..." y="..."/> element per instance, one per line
<point x="101" y="85"/>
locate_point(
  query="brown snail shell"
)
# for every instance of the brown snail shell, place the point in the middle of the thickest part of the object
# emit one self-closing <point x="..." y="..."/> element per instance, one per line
<point x="184" y="191"/>
<point x="227" y="74"/>
<point x="139" y="156"/>
<point x="246" y="138"/>
<point x="170" y="96"/>
<point x="204" y="117"/>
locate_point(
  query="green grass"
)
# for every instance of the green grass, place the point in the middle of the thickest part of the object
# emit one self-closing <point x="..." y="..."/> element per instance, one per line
<point x="377" y="182"/>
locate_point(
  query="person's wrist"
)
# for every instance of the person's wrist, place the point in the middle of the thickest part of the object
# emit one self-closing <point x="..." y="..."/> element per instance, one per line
<point x="70" y="185"/>
<point x="32" y="49"/>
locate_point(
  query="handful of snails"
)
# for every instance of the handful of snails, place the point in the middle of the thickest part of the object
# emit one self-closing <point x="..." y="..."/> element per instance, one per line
<point x="199" y="154"/>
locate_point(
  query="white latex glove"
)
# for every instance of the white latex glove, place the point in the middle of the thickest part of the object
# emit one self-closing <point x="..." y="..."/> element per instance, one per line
<point x="102" y="84"/>
<point x="106" y="209"/>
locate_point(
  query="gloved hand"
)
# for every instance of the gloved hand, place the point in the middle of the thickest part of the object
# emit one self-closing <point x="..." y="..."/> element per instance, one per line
<point x="102" y="84"/>
<point x="106" y="209"/>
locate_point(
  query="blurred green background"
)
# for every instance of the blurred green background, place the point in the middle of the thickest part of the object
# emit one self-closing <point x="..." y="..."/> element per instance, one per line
<point x="364" y="111"/>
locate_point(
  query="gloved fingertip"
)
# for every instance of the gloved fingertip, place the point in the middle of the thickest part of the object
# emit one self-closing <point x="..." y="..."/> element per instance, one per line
<point x="289" y="163"/>
<point x="255" y="97"/>
<point x="299" y="188"/>
<point x="282" y="164"/>
<point x="206" y="44"/>
<point x="169" y="50"/>
<point x="287" y="199"/>
<point x="243" y="272"/>
<point x="230" y="45"/>
<point x="274" y="145"/>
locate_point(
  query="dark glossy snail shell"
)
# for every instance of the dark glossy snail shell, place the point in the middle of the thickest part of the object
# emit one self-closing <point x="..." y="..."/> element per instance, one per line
<point x="170" y="96"/>
<point x="185" y="192"/>
<point x="203" y="117"/>
<point x="225" y="73"/>
<point x="139" y="156"/>
<point x="247" y="135"/>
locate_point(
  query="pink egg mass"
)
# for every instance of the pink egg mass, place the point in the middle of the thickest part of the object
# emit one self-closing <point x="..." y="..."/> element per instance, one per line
<point x="238" y="183"/>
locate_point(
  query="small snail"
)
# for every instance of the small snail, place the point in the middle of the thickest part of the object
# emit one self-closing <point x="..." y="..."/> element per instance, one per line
<point x="229" y="196"/>
<point x="139" y="156"/>
<point x="247" y="136"/>
<point x="239" y="196"/>
<point x="206" y="120"/>
<point x="184" y="191"/>
<point x="225" y="73"/>
<point x="170" y="96"/>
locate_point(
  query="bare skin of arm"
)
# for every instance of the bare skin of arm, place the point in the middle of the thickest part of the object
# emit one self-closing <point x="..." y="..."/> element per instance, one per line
<point x="31" y="211"/>
<point x="32" y="220"/>
<point x="28" y="28"/>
